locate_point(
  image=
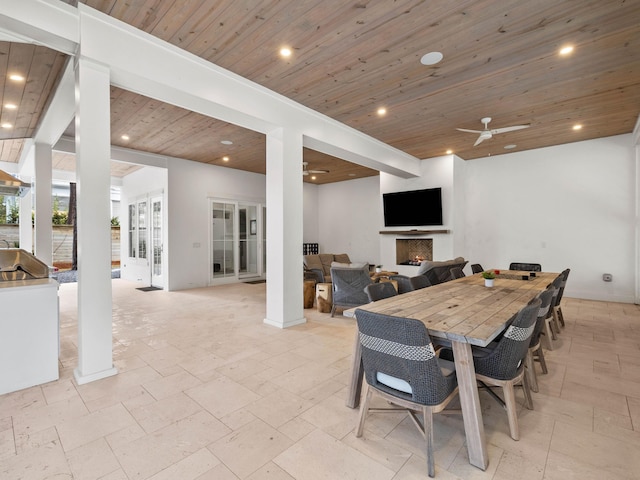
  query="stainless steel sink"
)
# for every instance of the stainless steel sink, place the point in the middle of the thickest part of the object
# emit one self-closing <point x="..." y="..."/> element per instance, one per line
<point x="18" y="264"/>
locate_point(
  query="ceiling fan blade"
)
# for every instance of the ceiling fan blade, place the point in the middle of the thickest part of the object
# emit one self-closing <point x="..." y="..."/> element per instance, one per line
<point x="470" y="131"/>
<point x="479" y="141"/>
<point x="509" y="129"/>
<point x="318" y="171"/>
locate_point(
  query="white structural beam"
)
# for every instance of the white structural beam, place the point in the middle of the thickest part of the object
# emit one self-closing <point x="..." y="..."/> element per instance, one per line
<point x="167" y="73"/>
<point x="61" y="109"/>
<point x="95" y="355"/>
<point x="284" y="228"/>
<point x="43" y="233"/>
<point x="53" y="24"/>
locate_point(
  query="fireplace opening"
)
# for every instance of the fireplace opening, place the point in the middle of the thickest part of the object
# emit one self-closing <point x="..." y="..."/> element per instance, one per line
<point x="413" y="251"/>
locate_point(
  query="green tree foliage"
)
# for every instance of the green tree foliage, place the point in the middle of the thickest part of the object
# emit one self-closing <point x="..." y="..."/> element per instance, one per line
<point x="59" y="217"/>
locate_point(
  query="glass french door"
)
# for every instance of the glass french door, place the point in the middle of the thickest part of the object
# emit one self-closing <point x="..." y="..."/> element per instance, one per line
<point x="237" y="235"/>
<point x="222" y="239"/>
<point x="157" y="270"/>
<point x="248" y="240"/>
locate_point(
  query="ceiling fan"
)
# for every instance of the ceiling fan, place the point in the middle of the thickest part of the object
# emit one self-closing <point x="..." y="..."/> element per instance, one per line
<point x="487" y="133"/>
<point x="307" y="172"/>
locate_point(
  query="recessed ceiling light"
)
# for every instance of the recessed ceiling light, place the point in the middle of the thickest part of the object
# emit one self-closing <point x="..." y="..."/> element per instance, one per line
<point x="10" y="106"/>
<point x="125" y="137"/>
<point x="431" y="58"/>
<point x="226" y="142"/>
<point x="225" y="159"/>
<point x="352" y="174"/>
<point x="6" y="125"/>
<point x="16" y="78"/>
<point x="510" y="146"/>
<point x="566" y="50"/>
<point x="285" y="52"/>
<point x="449" y="152"/>
<point x="313" y="177"/>
<point x="382" y="111"/>
<point x="577" y="127"/>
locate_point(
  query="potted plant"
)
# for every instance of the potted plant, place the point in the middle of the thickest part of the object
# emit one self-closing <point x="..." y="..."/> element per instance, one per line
<point x="489" y="276"/>
<point x="378" y="268"/>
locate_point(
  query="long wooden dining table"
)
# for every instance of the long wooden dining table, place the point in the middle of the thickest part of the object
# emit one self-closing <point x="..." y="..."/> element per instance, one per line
<point x="463" y="312"/>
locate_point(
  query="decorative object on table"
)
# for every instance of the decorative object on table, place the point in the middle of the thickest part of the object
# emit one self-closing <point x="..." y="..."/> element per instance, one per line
<point x="378" y="268"/>
<point x="489" y="277"/>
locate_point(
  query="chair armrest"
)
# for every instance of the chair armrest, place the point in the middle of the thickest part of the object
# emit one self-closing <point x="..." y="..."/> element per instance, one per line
<point x="314" y="274"/>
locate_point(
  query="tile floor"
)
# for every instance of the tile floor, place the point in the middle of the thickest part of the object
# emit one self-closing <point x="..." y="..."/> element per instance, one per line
<point x="206" y="391"/>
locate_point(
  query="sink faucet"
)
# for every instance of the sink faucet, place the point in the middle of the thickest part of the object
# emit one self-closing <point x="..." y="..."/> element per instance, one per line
<point x="8" y="244"/>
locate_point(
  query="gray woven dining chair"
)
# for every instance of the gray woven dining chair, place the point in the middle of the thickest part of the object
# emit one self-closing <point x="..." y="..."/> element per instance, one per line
<point x="400" y="365"/>
<point x="378" y="291"/>
<point x="551" y="325"/>
<point x="420" y="281"/>
<point x="477" y="268"/>
<point x="347" y="287"/>
<point x="502" y="364"/>
<point x="535" y="351"/>
<point x="456" y="272"/>
<point x="404" y="283"/>
<point x="559" y="316"/>
<point x="525" y="267"/>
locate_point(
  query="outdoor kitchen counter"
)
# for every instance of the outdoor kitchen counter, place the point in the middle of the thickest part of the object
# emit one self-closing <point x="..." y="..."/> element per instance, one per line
<point x="29" y="333"/>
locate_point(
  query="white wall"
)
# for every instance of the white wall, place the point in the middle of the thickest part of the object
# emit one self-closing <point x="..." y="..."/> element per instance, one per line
<point x="569" y="206"/>
<point x="311" y="228"/>
<point x="348" y="217"/>
<point x="191" y="185"/>
<point x="434" y="172"/>
<point x="139" y="184"/>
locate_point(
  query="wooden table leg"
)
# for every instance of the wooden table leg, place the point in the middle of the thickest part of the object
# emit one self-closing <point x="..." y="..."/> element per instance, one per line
<point x="470" y="403"/>
<point x="357" y="376"/>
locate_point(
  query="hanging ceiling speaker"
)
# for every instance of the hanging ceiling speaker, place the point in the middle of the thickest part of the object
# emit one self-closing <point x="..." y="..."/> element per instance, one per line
<point x="487" y="133"/>
<point x="307" y="172"/>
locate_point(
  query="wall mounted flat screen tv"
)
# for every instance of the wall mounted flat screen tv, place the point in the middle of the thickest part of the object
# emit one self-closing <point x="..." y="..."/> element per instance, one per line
<point x="413" y="208"/>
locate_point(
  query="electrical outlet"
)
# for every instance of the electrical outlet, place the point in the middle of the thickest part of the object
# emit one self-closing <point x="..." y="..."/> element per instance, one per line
<point x="607" y="277"/>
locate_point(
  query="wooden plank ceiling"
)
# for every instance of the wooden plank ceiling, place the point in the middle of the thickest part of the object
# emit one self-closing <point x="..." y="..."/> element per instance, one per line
<point x="352" y="57"/>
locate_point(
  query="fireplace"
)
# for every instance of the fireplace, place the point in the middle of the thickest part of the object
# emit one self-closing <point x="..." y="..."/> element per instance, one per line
<point x="412" y="251"/>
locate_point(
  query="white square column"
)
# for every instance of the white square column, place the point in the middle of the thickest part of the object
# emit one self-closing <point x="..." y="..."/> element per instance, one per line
<point x="43" y="247"/>
<point x="284" y="228"/>
<point x="95" y="354"/>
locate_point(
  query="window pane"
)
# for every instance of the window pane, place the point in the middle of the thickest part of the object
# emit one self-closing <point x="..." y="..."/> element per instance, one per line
<point x="142" y="230"/>
<point x="132" y="231"/>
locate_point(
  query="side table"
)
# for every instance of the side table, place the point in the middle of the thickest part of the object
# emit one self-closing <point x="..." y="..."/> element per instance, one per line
<point x="309" y="293"/>
<point x="375" y="276"/>
<point x="324" y="297"/>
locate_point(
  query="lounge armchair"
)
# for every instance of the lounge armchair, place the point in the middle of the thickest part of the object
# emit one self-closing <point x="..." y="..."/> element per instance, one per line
<point x="440" y="272"/>
<point x="318" y="266"/>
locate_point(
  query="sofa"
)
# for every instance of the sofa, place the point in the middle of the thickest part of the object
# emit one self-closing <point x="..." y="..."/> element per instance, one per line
<point x="318" y="266"/>
<point x="439" y="271"/>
